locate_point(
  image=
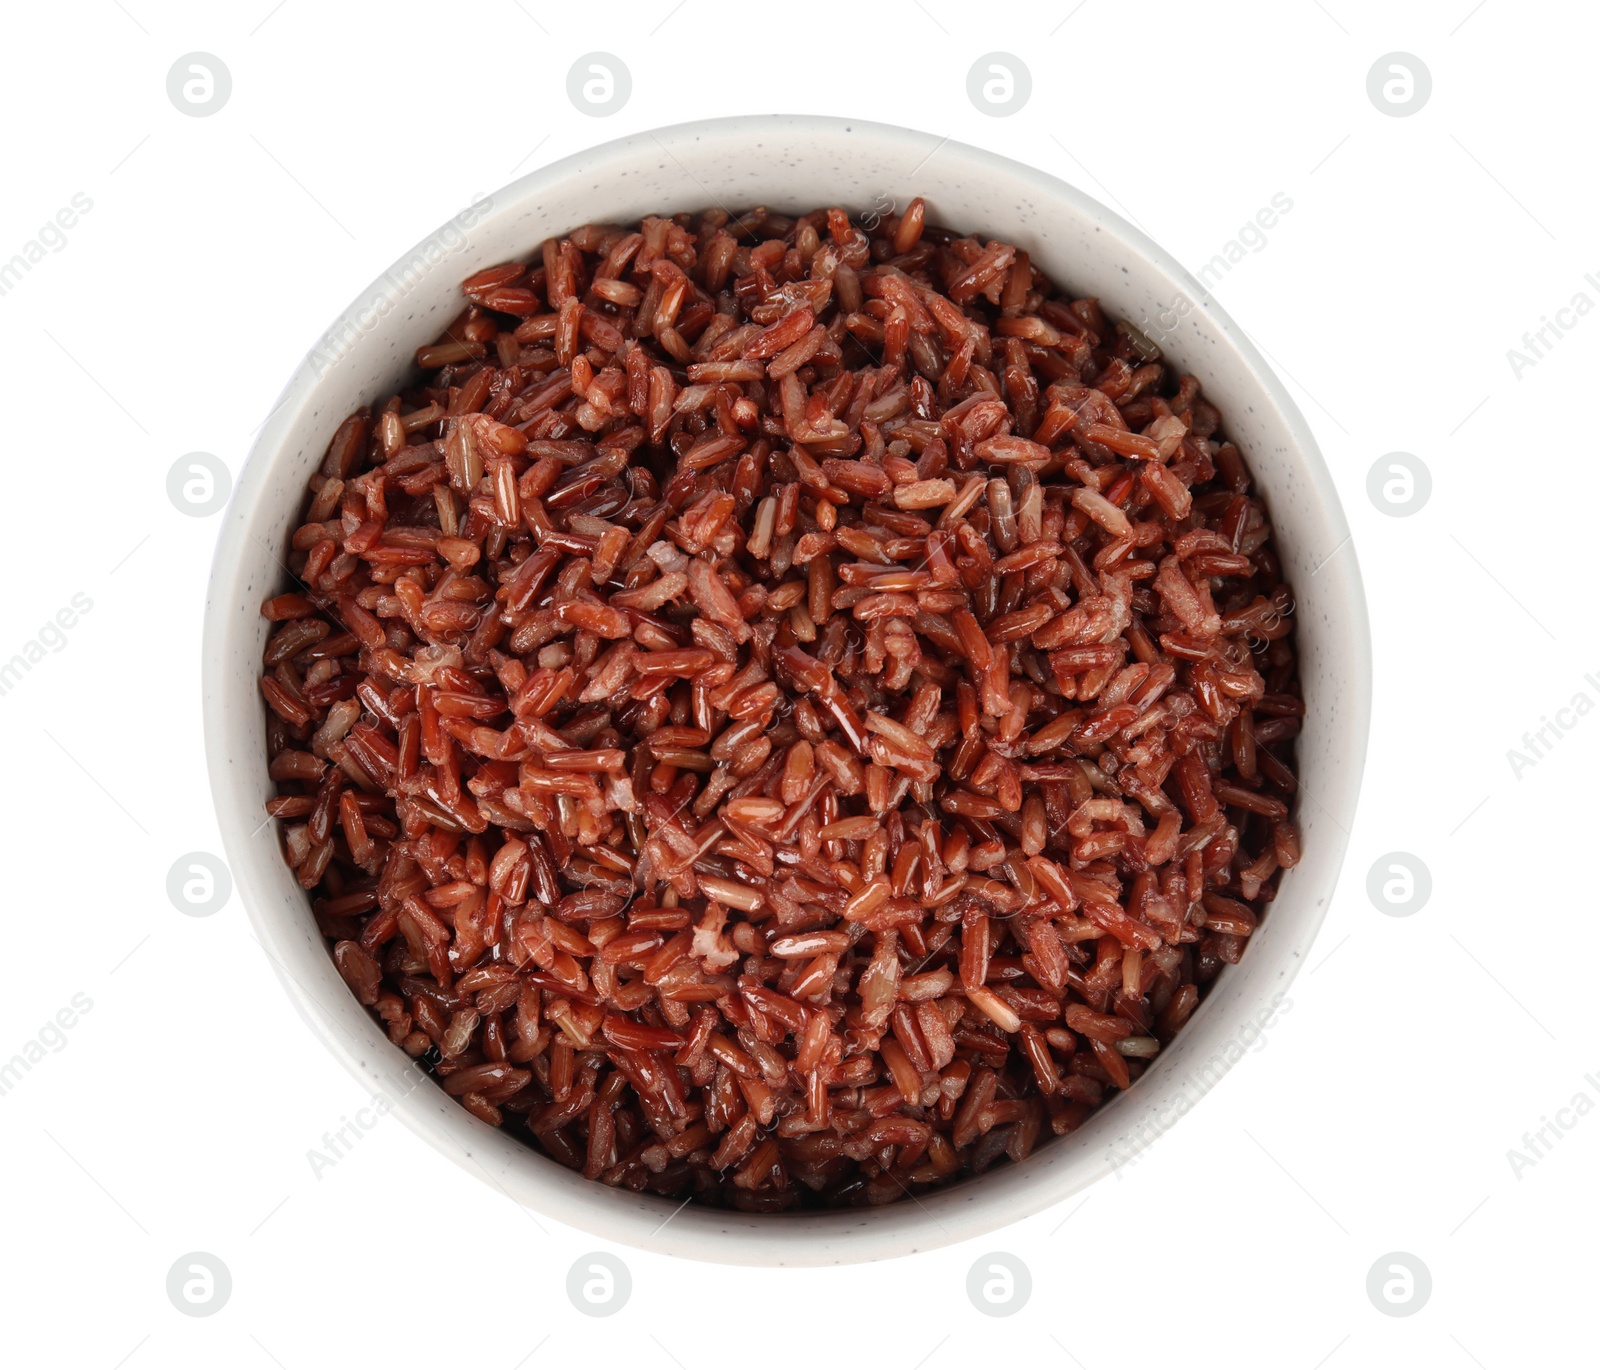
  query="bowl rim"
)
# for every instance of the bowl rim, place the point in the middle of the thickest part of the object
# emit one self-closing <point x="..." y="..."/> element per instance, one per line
<point x="952" y="1214"/>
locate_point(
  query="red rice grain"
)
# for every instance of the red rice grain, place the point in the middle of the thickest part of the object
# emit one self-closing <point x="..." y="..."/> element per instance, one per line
<point x="783" y="715"/>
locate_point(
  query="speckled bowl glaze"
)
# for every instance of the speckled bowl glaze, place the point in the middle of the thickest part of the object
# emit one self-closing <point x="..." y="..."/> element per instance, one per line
<point x="794" y="163"/>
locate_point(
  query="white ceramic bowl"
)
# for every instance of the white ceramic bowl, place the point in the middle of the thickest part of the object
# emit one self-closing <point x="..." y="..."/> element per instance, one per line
<point x="793" y="163"/>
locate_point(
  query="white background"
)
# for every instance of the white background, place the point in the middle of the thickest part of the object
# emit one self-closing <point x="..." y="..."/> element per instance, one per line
<point x="1375" y="1117"/>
